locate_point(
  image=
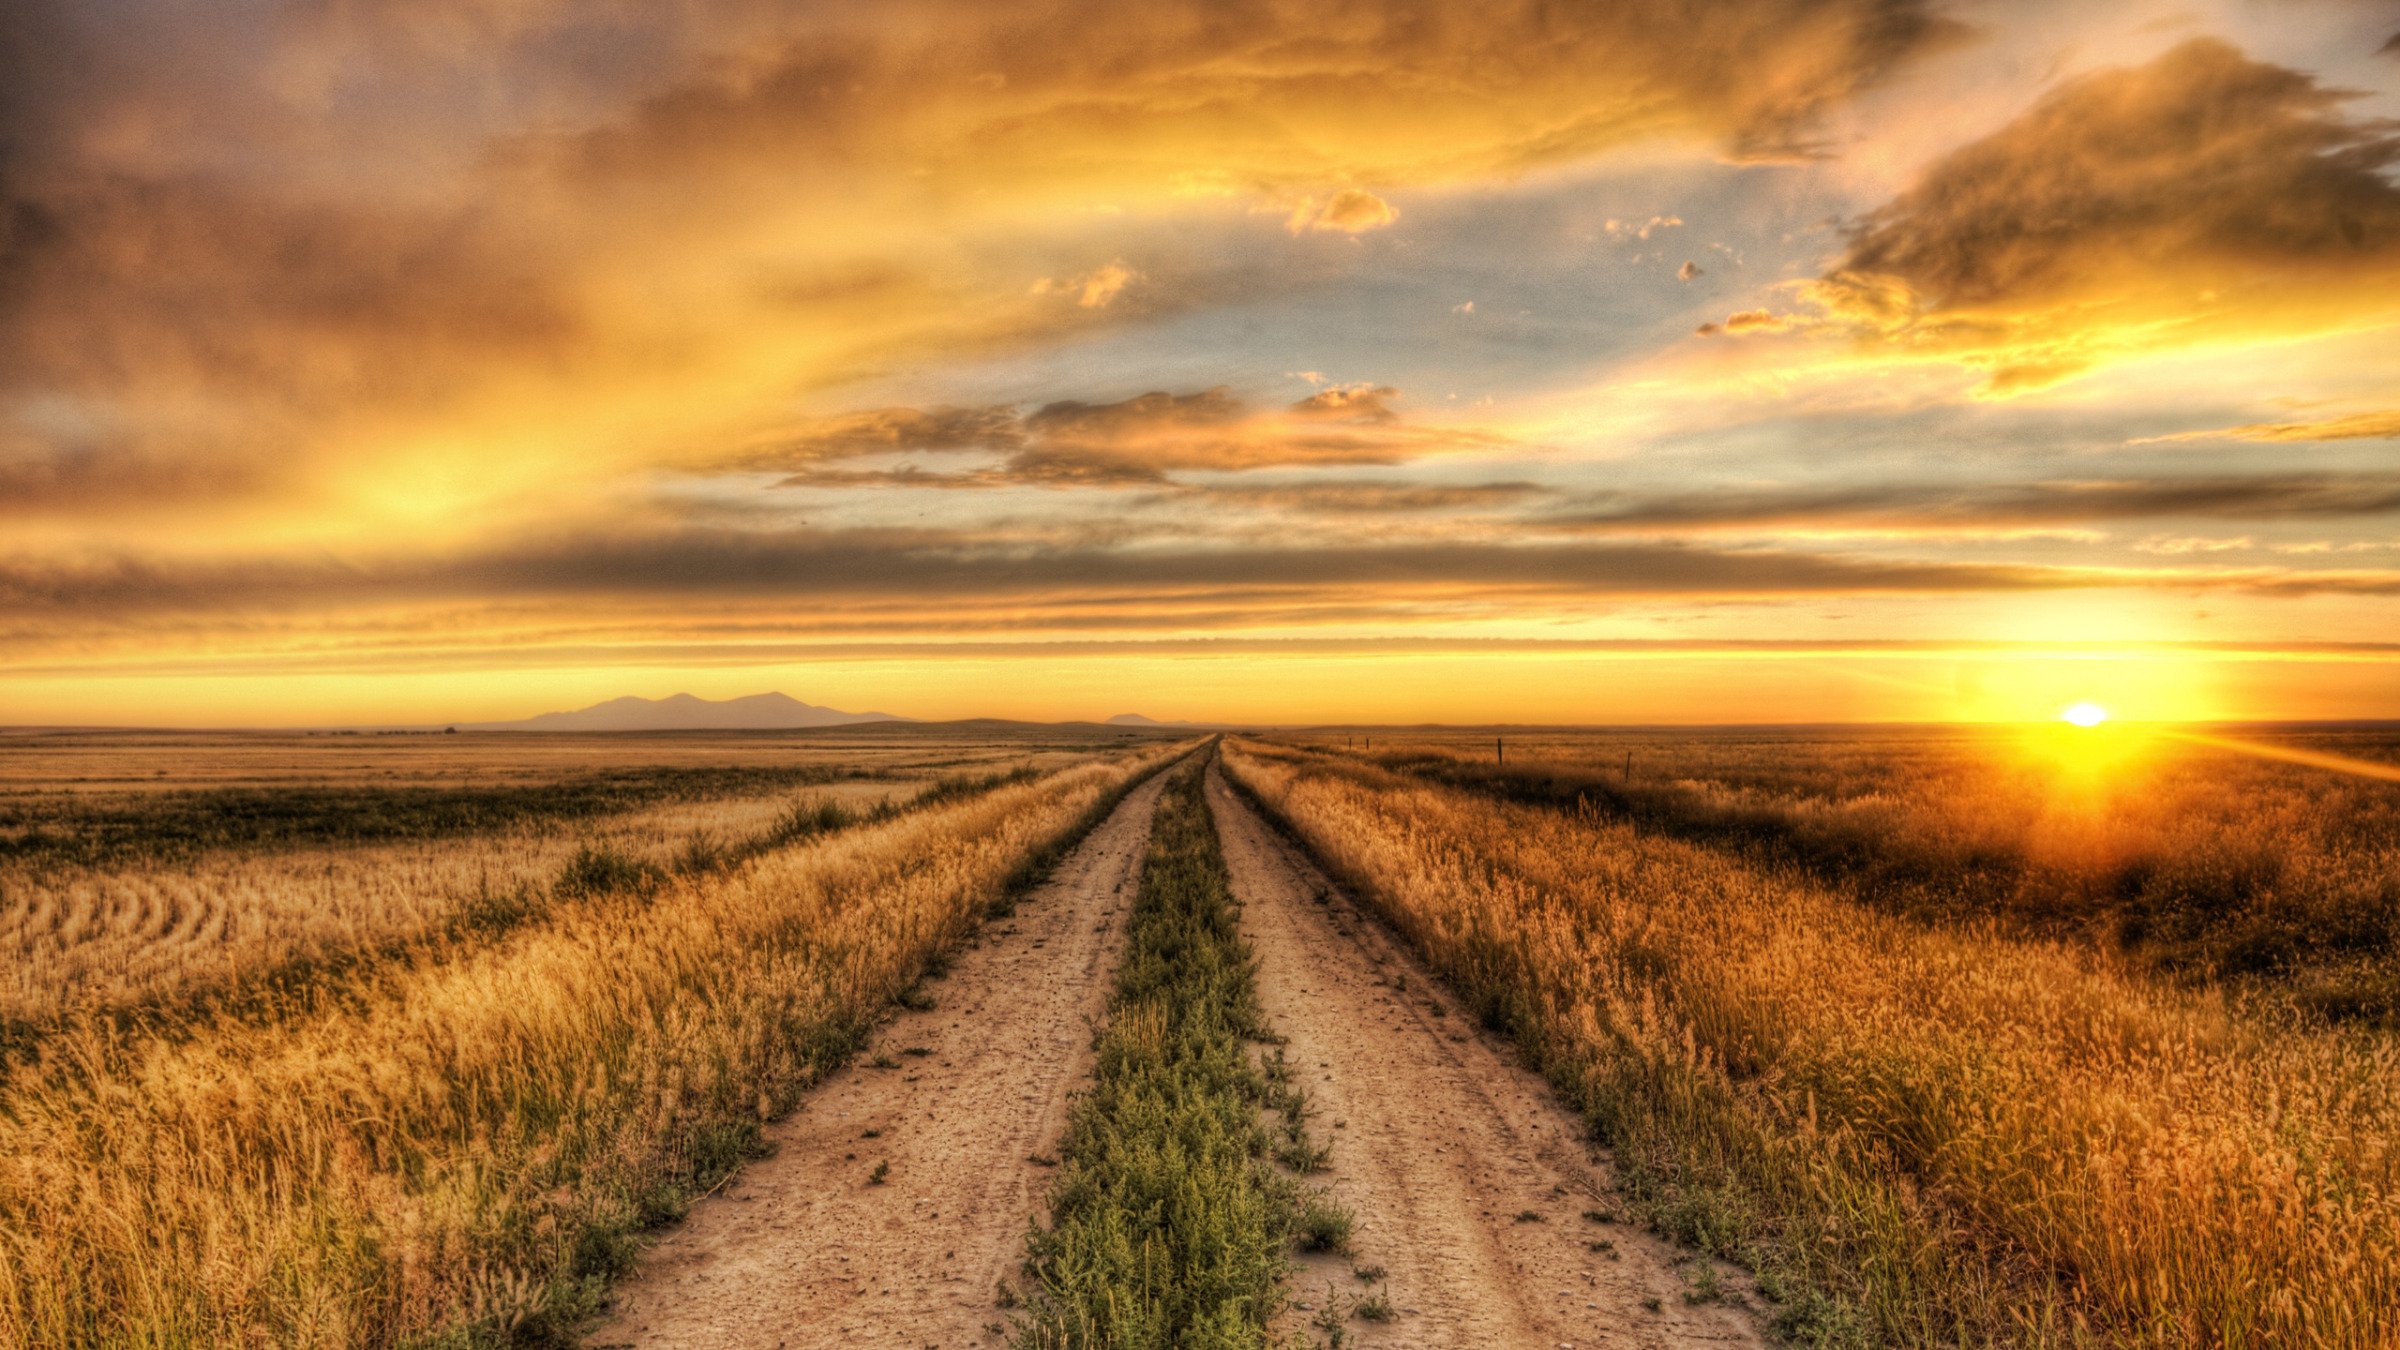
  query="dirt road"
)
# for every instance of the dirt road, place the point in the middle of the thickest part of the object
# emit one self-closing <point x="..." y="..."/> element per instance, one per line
<point x="1469" y="1179"/>
<point x="805" y="1248"/>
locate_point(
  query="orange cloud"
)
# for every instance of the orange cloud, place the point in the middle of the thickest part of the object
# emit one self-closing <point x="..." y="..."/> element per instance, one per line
<point x="1093" y="290"/>
<point x="273" y="255"/>
<point x="2203" y="196"/>
<point x="2364" y="426"/>
<point x="1350" y="211"/>
<point x="1364" y="403"/>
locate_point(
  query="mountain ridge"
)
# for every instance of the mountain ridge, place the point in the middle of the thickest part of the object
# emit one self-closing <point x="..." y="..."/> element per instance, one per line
<point x="687" y="712"/>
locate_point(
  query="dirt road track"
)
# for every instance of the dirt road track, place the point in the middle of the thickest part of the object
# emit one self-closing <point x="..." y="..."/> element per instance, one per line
<point x="803" y="1250"/>
<point x="1441" y="1141"/>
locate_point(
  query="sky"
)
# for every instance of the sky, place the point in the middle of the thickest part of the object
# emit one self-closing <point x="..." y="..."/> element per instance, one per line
<point x="1279" y="360"/>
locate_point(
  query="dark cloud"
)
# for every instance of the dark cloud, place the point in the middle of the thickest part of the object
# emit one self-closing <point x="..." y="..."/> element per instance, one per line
<point x="2199" y="194"/>
<point x="1071" y="422"/>
<point x="1071" y="443"/>
<point x="710" y="643"/>
<point x="893" y="577"/>
<point x="887" y="430"/>
<point x="63" y="473"/>
<point x="132" y="288"/>
<point x="1286" y="95"/>
<point x="2201" y="156"/>
<point x="1354" y="497"/>
<point x="937" y="568"/>
<point x="604" y="594"/>
<point x="1999" y="505"/>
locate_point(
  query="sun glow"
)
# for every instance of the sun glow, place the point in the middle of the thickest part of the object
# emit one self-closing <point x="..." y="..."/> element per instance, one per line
<point x="2089" y="757"/>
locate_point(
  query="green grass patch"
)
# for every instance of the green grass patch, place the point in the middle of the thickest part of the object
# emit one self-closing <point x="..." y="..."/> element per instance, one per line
<point x="1170" y="1222"/>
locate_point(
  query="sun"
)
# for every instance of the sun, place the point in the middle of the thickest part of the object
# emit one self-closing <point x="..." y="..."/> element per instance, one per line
<point x="2084" y="714"/>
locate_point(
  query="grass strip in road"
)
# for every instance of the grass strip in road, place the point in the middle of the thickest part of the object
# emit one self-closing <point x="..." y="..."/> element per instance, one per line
<point x="1169" y="1224"/>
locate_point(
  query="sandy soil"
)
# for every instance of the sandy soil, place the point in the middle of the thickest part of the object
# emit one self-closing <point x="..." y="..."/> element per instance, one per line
<point x="1442" y="1141"/>
<point x="804" y="1249"/>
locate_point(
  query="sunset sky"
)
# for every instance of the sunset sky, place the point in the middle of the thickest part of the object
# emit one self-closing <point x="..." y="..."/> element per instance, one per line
<point x="1313" y="360"/>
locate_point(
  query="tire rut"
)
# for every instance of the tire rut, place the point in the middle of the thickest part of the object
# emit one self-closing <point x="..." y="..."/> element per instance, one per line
<point x="805" y="1249"/>
<point x="1469" y="1178"/>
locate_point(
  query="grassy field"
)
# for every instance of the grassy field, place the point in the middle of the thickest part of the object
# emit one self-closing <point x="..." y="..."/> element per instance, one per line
<point x="1951" y="1037"/>
<point x="445" y="1121"/>
<point x="2191" y="858"/>
<point x="1921" y="1124"/>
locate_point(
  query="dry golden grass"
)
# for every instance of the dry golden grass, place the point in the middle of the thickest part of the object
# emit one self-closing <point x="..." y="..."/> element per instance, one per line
<point x="104" y="762"/>
<point x="79" y="938"/>
<point x="443" y="1151"/>
<point x="2200" y="858"/>
<point x="356" y="843"/>
<point x="1920" y="1134"/>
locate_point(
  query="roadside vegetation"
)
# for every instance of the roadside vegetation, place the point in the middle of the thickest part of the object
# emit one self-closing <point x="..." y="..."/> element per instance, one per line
<point x="463" y="1149"/>
<point x="1916" y="1133"/>
<point x="2191" y="859"/>
<point x="1171" y="1220"/>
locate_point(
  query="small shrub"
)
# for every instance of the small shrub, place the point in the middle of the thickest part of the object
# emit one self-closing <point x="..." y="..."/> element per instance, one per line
<point x="595" y="872"/>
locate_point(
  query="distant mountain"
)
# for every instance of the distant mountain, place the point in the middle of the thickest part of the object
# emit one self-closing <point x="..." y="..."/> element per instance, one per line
<point x="1132" y="720"/>
<point x="683" y="712"/>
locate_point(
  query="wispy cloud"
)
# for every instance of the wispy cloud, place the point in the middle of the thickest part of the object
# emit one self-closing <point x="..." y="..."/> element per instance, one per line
<point x="1140" y="439"/>
<point x="1933" y="508"/>
<point x="2364" y="426"/>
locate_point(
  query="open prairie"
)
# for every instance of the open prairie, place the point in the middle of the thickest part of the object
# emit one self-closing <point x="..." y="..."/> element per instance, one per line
<point x="1084" y="1037"/>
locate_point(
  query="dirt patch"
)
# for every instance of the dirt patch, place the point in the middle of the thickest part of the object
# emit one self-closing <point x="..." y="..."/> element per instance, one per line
<point x="814" y="1246"/>
<point x="1470" y="1180"/>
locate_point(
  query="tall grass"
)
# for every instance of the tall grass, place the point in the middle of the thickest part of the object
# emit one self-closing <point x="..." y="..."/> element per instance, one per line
<point x="464" y="1151"/>
<point x="1168" y="1223"/>
<point x="2195" y="857"/>
<point x="1918" y="1134"/>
